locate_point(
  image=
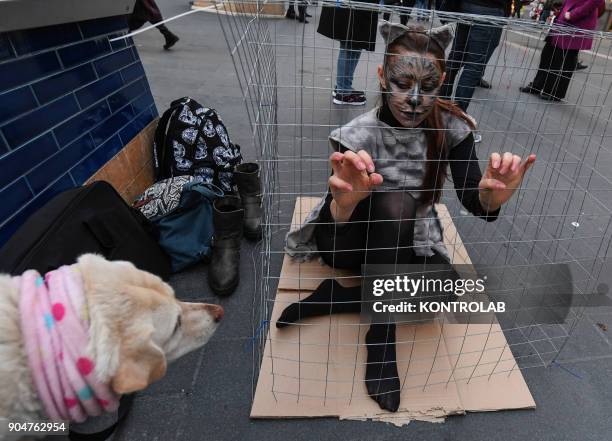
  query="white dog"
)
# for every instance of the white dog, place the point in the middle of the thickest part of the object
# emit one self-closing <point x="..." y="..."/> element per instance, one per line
<point x="127" y="326"/>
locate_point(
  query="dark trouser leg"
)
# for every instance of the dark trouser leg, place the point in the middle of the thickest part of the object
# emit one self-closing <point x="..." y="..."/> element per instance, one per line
<point x="562" y="68"/>
<point x="387" y="15"/>
<point x="408" y="4"/>
<point x="302" y="11"/>
<point x="546" y="64"/>
<point x="171" y="38"/>
<point x="482" y="41"/>
<point x="569" y="67"/>
<point x="455" y="59"/>
<point x="348" y="59"/>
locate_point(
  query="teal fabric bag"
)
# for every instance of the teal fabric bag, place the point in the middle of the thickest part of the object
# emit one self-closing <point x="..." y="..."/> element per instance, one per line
<point x="186" y="232"/>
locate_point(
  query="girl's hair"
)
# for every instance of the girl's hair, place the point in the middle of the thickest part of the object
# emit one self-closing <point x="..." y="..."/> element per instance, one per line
<point x="418" y="41"/>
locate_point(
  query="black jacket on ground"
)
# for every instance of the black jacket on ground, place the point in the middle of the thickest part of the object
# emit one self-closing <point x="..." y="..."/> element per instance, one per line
<point x="356" y="26"/>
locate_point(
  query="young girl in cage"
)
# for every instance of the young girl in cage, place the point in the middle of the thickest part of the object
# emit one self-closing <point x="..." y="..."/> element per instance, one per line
<point x="389" y="166"/>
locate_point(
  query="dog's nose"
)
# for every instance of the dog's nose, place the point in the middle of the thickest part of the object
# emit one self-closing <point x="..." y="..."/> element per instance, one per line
<point x="216" y="311"/>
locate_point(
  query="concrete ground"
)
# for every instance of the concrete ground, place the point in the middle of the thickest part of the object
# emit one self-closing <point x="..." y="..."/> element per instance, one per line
<point x="207" y="395"/>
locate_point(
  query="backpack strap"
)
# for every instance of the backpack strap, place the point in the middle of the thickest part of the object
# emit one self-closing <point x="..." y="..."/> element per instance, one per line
<point x="160" y="137"/>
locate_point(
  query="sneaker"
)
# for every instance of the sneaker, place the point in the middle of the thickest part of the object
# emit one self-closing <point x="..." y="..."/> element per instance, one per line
<point x="350" y="99"/>
<point x="549" y="97"/>
<point x="484" y="84"/>
<point x="477" y="137"/>
<point x="581" y="66"/>
<point x="530" y="89"/>
<point x="358" y="92"/>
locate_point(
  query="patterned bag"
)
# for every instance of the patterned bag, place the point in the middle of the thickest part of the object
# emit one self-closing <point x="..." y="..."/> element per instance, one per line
<point x="162" y="197"/>
<point x="192" y="140"/>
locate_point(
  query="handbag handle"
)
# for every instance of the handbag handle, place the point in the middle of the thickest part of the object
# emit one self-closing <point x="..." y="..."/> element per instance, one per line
<point x="209" y="190"/>
<point x="160" y="137"/>
<point x="193" y="192"/>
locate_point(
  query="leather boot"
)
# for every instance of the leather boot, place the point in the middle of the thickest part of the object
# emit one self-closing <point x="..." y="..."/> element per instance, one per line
<point x="224" y="268"/>
<point x="171" y="39"/>
<point x="246" y="177"/>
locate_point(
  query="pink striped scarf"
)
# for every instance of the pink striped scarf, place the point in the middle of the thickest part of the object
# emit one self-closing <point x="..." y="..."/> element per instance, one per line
<point x="55" y="328"/>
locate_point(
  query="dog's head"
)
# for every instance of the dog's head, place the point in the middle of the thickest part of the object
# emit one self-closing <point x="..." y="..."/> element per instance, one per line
<point x="137" y="325"/>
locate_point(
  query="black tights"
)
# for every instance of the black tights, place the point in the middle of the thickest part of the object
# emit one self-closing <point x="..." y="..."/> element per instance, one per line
<point x="380" y="231"/>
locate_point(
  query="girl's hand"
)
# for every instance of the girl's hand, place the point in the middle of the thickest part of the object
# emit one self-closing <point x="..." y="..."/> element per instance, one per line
<point x="503" y="176"/>
<point x="351" y="182"/>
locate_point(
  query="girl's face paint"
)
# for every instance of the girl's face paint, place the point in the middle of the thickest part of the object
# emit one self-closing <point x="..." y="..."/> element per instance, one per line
<point x="412" y="82"/>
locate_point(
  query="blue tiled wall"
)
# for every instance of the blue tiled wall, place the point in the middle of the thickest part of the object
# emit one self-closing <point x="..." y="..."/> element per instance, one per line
<point x="69" y="101"/>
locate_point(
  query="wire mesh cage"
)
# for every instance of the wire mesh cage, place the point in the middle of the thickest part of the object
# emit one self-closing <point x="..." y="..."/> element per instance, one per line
<point x="558" y="217"/>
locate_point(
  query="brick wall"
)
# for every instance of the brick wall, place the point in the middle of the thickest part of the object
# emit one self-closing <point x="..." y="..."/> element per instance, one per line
<point x="70" y="100"/>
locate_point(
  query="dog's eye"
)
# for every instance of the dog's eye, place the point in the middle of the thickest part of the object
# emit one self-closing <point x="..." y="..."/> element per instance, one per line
<point x="178" y="324"/>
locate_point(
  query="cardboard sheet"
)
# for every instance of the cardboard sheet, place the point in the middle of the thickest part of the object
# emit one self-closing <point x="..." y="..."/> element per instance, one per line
<point x="316" y="368"/>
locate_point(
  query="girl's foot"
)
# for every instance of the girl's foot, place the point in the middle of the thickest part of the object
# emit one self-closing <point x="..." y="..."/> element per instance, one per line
<point x="382" y="379"/>
<point x="329" y="298"/>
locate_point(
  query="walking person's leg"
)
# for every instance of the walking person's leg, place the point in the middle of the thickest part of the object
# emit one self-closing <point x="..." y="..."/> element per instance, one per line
<point x="348" y="59"/>
<point x="424" y="6"/>
<point x="387" y="15"/>
<point x="290" y="14"/>
<point x="455" y="59"/>
<point x="408" y="4"/>
<point x="147" y="10"/>
<point x="302" y="14"/>
<point x="483" y="83"/>
<point x="564" y="63"/>
<point x="482" y="41"/>
<point x="537" y="85"/>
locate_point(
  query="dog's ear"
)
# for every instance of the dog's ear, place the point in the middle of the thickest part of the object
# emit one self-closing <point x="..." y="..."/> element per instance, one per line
<point x="138" y="367"/>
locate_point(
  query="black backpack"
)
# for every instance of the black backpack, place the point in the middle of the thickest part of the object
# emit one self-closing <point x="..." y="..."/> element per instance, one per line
<point x="191" y="139"/>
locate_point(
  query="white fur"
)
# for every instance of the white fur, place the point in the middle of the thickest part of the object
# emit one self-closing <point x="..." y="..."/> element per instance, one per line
<point x="130" y="311"/>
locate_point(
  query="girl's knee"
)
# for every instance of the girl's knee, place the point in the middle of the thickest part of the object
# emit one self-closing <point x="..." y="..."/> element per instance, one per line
<point x="393" y="206"/>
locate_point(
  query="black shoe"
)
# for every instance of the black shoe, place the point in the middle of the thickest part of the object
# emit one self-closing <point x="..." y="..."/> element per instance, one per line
<point x="350" y="99"/>
<point x="302" y="14"/>
<point x="530" y="89"/>
<point x="484" y="84"/>
<point x="171" y="40"/>
<point x="224" y="268"/>
<point x="581" y="66"/>
<point x="246" y="177"/>
<point x="548" y="97"/>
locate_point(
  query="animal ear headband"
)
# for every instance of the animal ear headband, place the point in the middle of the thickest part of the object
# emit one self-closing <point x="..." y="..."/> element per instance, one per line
<point x="442" y="35"/>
